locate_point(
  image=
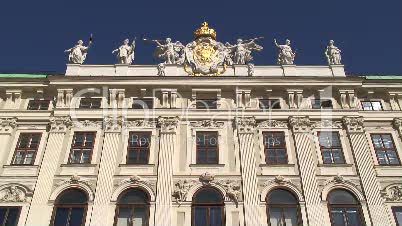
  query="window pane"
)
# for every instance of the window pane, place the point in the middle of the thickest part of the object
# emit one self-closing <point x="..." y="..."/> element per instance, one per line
<point x="215" y="216"/>
<point x="275" y="217"/>
<point x="393" y="157"/>
<point x="341" y="197"/>
<point x="337" y="156"/>
<point x="212" y="156"/>
<point x="377" y="141"/>
<point x="200" y="216"/>
<point x="327" y="158"/>
<point x="12" y="217"/>
<point x="367" y="106"/>
<point x="353" y="217"/>
<point x="382" y="157"/>
<point x="337" y="216"/>
<point x="208" y="196"/>
<point x="316" y="104"/>
<point x="61" y="217"/>
<point x="398" y="215"/>
<point x="3" y="212"/>
<point x="140" y="217"/>
<point x="134" y="196"/>
<point x="291" y="216"/>
<point x="78" y="139"/>
<point x="77" y="216"/>
<point x="143" y="156"/>
<point x="388" y="143"/>
<point x="376" y="106"/>
<point x="124" y="217"/>
<point x="72" y="196"/>
<point x="280" y="196"/>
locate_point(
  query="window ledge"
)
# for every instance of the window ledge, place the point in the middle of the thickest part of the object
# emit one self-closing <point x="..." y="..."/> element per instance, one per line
<point x="388" y="166"/>
<point x="335" y="165"/>
<point x="20" y="166"/>
<point x="207" y="165"/>
<point x="277" y="165"/>
<point x="78" y="165"/>
<point x="136" y="165"/>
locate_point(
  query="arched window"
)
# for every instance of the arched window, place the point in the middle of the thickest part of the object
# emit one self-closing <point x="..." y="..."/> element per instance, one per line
<point x="207" y="208"/>
<point x="70" y="208"/>
<point x="132" y="208"/>
<point x="283" y="209"/>
<point x="344" y="209"/>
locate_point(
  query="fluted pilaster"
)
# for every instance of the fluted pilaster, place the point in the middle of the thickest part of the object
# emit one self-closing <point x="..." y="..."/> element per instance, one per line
<point x="365" y="166"/>
<point x="7" y="126"/>
<point x="245" y="130"/>
<point x="164" y="185"/>
<point x="302" y="136"/>
<point x="111" y="142"/>
<point x="44" y="184"/>
<point x="398" y="126"/>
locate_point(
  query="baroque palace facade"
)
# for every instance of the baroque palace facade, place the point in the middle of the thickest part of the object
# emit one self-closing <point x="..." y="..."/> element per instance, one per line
<point x="132" y="145"/>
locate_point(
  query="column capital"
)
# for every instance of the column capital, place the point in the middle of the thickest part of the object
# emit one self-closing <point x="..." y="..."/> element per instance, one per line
<point x="246" y="124"/>
<point x="168" y="124"/>
<point x="7" y="125"/>
<point x="353" y="124"/>
<point x="59" y="124"/>
<point x="300" y="124"/>
<point x="112" y="124"/>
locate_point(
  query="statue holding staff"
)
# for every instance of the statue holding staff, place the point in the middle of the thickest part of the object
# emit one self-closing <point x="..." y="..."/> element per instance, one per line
<point x="78" y="53"/>
<point x="125" y="53"/>
<point x="286" y="55"/>
<point x="167" y="50"/>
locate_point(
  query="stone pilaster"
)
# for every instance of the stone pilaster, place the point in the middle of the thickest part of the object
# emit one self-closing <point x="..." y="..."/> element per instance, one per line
<point x="398" y="126"/>
<point x="303" y="143"/>
<point x="102" y="214"/>
<point x="245" y="130"/>
<point x="40" y="210"/>
<point x="7" y="126"/>
<point x="366" y="171"/>
<point x="164" y="185"/>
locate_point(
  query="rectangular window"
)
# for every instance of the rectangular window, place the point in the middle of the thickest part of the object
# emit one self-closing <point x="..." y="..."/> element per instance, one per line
<point x="397" y="210"/>
<point x="90" y="103"/>
<point x="207" y="148"/>
<point x="26" y="149"/>
<point x="38" y="104"/>
<point x="144" y="103"/>
<point x="321" y="104"/>
<point x="9" y="215"/>
<point x="138" y="148"/>
<point x="331" y="149"/>
<point x="275" y="148"/>
<point x="385" y="149"/>
<point x="371" y="105"/>
<point x="269" y="104"/>
<point x="82" y="148"/>
<point x="206" y="104"/>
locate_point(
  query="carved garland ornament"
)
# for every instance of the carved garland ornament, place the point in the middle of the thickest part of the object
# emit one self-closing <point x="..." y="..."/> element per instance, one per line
<point x="300" y="124"/>
<point x="207" y="124"/>
<point x="59" y="123"/>
<point x="392" y="193"/>
<point x="272" y="124"/>
<point x="140" y="123"/>
<point x="354" y="124"/>
<point x="246" y="125"/>
<point x="326" y="123"/>
<point x="76" y="180"/>
<point x="13" y="194"/>
<point x="112" y="124"/>
<point x="168" y="124"/>
<point x="87" y="124"/>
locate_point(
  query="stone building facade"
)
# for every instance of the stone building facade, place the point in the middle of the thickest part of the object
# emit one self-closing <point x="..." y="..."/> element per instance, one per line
<point x="120" y="145"/>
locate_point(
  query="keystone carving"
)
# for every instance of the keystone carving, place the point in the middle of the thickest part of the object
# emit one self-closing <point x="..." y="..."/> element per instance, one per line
<point x="393" y="193"/>
<point x="13" y="194"/>
<point x="7" y="124"/>
<point x="354" y="124"/>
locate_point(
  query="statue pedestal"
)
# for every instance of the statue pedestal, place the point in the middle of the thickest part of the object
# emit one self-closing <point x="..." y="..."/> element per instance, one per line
<point x="338" y="70"/>
<point x="289" y="70"/>
<point x="73" y="69"/>
<point x="240" y="70"/>
<point x="121" y="69"/>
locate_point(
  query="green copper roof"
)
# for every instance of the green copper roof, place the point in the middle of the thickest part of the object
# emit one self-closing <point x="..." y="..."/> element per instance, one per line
<point x="382" y="77"/>
<point x="22" y="76"/>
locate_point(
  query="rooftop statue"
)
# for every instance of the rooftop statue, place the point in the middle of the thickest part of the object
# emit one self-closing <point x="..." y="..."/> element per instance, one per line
<point x="240" y="53"/>
<point x="78" y="53"/>
<point x="333" y="53"/>
<point x="286" y="55"/>
<point x="125" y="53"/>
<point x="169" y="51"/>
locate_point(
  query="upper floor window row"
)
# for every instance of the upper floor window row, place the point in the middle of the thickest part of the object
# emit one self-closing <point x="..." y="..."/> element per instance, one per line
<point x="38" y="105"/>
<point x="371" y="105"/>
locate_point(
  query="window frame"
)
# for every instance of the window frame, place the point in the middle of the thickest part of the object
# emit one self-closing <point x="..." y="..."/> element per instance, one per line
<point x="358" y="206"/>
<point x="198" y="100"/>
<point x="70" y="207"/>
<point x="282" y="206"/>
<point x="41" y="101"/>
<point x="133" y="206"/>
<point x="207" y="148"/>
<point x="385" y="149"/>
<point x="19" y="208"/>
<point x="90" y="99"/>
<point x="149" y="133"/>
<point x="331" y="148"/>
<point x="264" y="133"/>
<point x="133" y="99"/>
<point x="371" y="105"/>
<point x="394" y="214"/>
<point x="272" y="102"/>
<point x="81" y="148"/>
<point x="208" y="206"/>
<point x="26" y="149"/>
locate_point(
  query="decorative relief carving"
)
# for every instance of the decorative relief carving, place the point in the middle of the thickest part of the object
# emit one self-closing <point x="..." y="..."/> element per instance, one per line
<point x="181" y="189"/>
<point x="87" y="124"/>
<point x="392" y="193"/>
<point x="338" y="179"/>
<point x="272" y="124"/>
<point x="232" y="188"/>
<point x="112" y="124"/>
<point x="141" y="123"/>
<point x="326" y="123"/>
<point x="246" y="125"/>
<point x="207" y="124"/>
<point x="161" y="69"/>
<point x="13" y="194"/>
<point x="300" y="124"/>
<point x="60" y="123"/>
<point x="280" y="180"/>
<point x="206" y="178"/>
<point x="398" y="123"/>
<point x="168" y="124"/>
<point x="76" y="180"/>
<point x="354" y="124"/>
<point x="137" y="180"/>
<point x="250" y="69"/>
<point x="7" y="124"/>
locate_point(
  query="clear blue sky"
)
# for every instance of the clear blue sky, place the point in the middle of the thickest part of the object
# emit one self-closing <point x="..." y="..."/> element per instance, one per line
<point x="34" y="34"/>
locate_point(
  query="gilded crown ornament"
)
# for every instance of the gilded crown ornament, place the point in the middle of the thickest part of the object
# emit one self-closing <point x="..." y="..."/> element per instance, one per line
<point x="205" y="31"/>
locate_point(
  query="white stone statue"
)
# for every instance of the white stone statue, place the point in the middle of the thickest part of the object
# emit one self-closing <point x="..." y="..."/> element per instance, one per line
<point x="169" y="51"/>
<point x="286" y="55"/>
<point x="78" y="53"/>
<point x="333" y="53"/>
<point x="241" y="51"/>
<point x="125" y="53"/>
